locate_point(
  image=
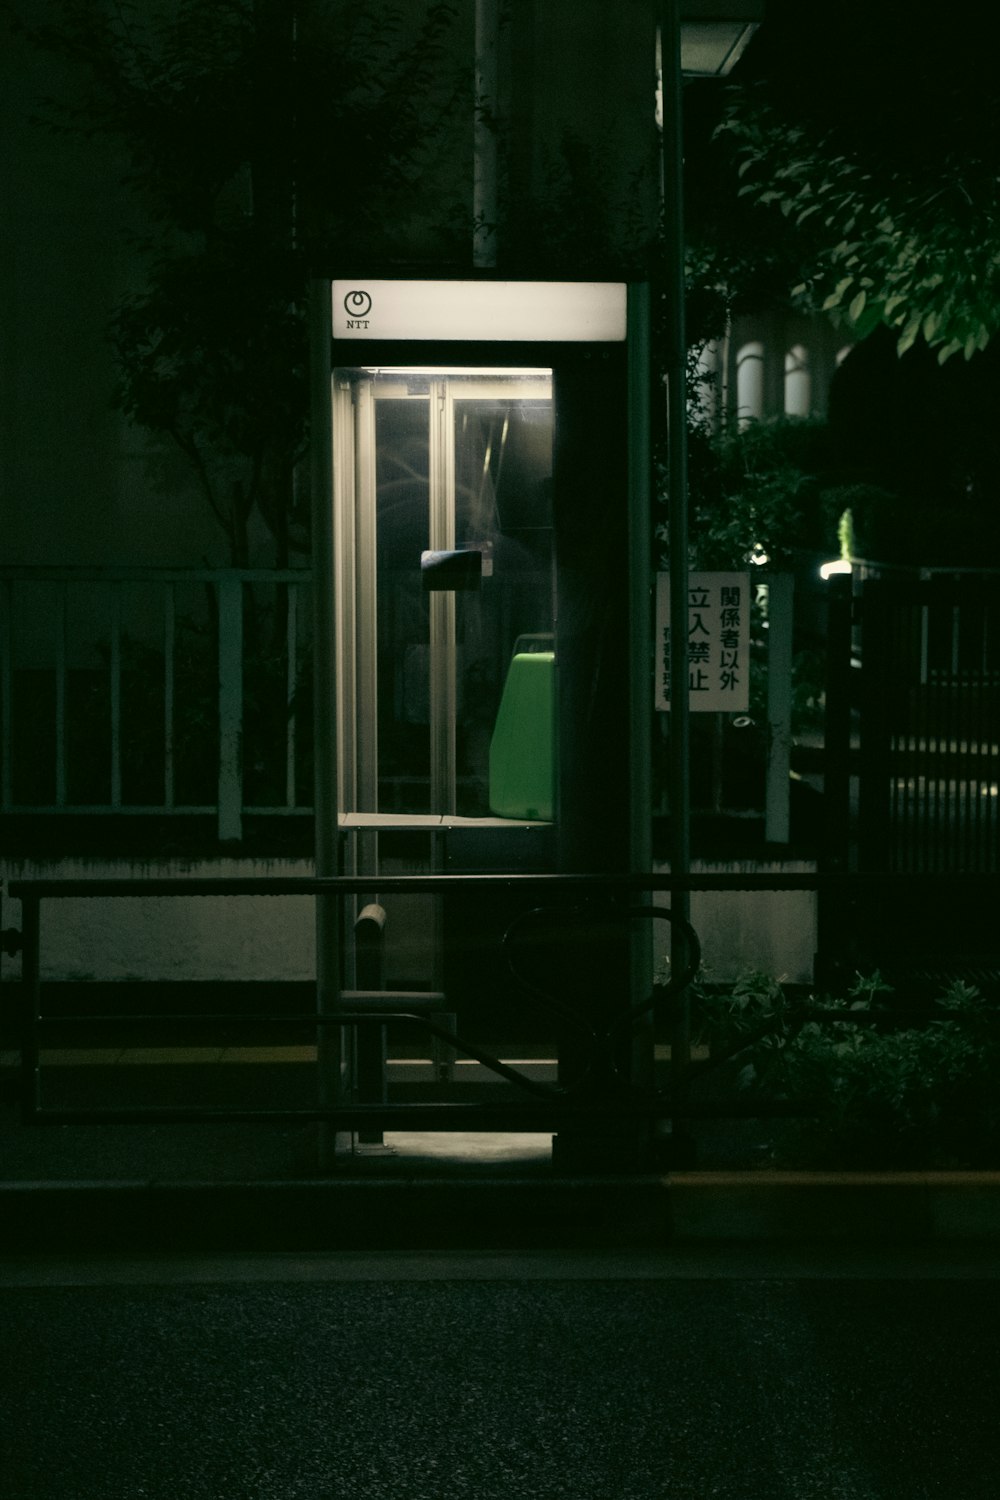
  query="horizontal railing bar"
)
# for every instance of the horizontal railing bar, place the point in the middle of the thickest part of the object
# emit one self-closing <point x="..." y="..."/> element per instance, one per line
<point x="483" y="1116"/>
<point x="216" y="1018"/>
<point x="150" y="809"/>
<point x="70" y="574"/>
<point x="124" y="809"/>
<point x="333" y="885"/>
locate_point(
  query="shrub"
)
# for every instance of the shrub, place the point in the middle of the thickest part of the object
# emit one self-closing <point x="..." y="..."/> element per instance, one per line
<point x="878" y="1095"/>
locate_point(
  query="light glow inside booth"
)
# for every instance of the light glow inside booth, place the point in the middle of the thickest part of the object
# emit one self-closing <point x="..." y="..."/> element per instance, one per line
<point x="479" y="530"/>
<point x="443" y="521"/>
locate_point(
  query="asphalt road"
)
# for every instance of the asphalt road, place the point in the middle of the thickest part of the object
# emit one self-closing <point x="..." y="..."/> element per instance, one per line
<point x="488" y="1379"/>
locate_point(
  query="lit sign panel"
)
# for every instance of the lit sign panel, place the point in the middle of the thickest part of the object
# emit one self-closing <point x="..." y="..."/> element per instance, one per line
<point x="717" y="646"/>
<point x="501" y="311"/>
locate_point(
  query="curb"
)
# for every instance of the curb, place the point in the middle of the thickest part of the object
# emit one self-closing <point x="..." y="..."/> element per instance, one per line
<point x="324" y="1214"/>
<point x="512" y="1213"/>
<point x="913" y="1207"/>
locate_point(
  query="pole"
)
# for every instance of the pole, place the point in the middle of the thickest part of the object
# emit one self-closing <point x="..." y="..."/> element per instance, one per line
<point x="672" y="198"/>
<point x="330" y="1043"/>
<point x="640" y="654"/>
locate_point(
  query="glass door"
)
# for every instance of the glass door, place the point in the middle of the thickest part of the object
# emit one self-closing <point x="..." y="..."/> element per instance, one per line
<point x="444" y="546"/>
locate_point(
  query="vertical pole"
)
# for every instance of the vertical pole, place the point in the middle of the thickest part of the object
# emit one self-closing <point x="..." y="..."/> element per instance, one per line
<point x="371" y="1046"/>
<point x="332" y="1056"/>
<point x="777" y="822"/>
<point x="363" y="561"/>
<point x="672" y="193"/>
<point x="640" y="658"/>
<point x="115" y="695"/>
<point x="32" y="1007"/>
<point x="832" y="904"/>
<point x="6" y="693"/>
<point x="169" y="635"/>
<point x="291" y="678"/>
<point x="443" y="690"/>
<point x="443" y="648"/>
<point x="640" y="577"/>
<point x="230" y="807"/>
<point x="60" y="643"/>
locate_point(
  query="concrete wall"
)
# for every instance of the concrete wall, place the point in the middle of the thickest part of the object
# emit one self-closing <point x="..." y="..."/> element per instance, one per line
<point x="169" y="938"/>
<point x="770" y="931"/>
<point x="272" y="937"/>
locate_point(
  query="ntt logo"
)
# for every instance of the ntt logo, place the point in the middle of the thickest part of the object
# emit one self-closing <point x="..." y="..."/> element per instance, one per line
<point x="357" y="306"/>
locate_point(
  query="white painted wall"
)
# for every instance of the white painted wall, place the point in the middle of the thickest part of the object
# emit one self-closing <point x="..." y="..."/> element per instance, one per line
<point x="770" y="931"/>
<point x="170" y="937"/>
<point x="273" y="937"/>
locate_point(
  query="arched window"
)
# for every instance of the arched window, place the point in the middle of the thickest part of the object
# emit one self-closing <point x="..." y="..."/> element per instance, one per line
<point x="798" y="382"/>
<point x="750" y="382"/>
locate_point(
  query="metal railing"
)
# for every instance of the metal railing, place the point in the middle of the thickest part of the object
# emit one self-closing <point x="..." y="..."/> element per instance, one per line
<point x="614" y="1099"/>
<point x="154" y="691"/>
<point x="357" y="1009"/>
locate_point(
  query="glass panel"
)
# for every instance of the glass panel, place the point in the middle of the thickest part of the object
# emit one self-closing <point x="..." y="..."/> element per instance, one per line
<point x="402" y="486"/>
<point x="503" y="471"/>
<point x="463" y="460"/>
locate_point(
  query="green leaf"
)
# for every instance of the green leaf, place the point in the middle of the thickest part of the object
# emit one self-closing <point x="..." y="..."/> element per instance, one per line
<point x="857" y="306"/>
<point x="908" y="336"/>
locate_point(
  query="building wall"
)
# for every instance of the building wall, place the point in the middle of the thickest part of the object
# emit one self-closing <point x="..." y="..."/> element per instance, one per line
<point x="78" y="485"/>
<point x="772" y="364"/>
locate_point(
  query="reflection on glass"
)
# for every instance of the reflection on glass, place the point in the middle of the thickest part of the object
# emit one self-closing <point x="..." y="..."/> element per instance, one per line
<point x="461" y="461"/>
<point x="503" y="472"/>
<point x="402" y="490"/>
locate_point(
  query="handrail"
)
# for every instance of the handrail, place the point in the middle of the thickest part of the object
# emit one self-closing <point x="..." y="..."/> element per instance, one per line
<point x="620" y="1100"/>
<point x="82" y="573"/>
<point x="331" y="885"/>
<point x="599" y="1070"/>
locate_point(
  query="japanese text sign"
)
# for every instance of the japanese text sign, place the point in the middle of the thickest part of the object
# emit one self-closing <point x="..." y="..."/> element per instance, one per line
<point x="717" y="646"/>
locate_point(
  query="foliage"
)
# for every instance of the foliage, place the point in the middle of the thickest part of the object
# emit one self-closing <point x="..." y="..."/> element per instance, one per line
<point x="884" y="1094"/>
<point x="759" y="492"/>
<point x="911" y="244"/>
<point x="227" y="117"/>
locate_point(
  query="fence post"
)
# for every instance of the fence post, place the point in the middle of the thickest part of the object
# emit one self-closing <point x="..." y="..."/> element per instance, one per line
<point x="833" y="903"/>
<point x="31" y="1009"/>
<point x="230" y="805"/>
<point x="6" y="693"/>
<point x="777" y="814"/>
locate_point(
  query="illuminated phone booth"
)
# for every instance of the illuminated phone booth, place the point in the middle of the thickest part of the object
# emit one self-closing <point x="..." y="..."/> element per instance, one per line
<point x="481" y="544"/>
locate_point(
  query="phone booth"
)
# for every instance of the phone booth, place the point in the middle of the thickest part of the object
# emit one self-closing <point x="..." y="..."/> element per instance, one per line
<point x="482" y="539"/>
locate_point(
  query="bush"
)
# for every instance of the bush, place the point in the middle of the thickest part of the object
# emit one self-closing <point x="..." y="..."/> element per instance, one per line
<point x="883" y="1095"/>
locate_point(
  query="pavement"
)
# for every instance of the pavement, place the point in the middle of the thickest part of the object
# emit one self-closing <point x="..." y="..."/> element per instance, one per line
<point x="195" y="1312"/>
<point x="793" y="1374"/>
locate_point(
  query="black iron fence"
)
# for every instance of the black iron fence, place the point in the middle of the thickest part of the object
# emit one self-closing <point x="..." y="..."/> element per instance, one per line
<point x="603" y="1087"/>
